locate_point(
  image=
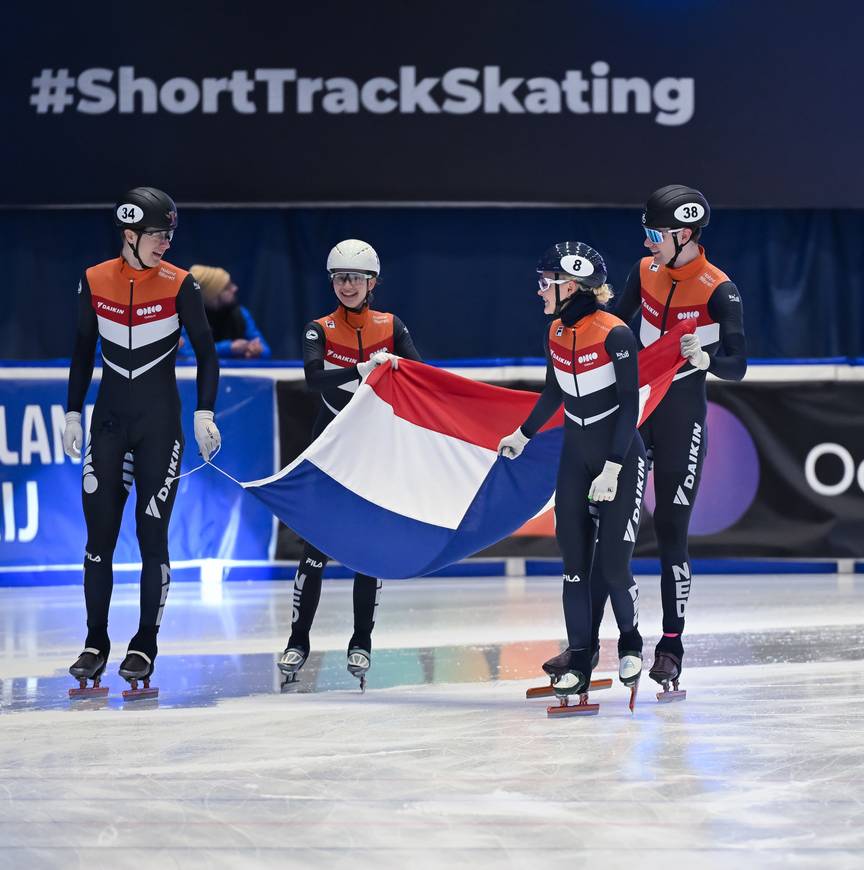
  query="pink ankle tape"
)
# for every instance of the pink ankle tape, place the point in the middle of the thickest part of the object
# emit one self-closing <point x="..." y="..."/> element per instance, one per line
<point x="668" y="634"/>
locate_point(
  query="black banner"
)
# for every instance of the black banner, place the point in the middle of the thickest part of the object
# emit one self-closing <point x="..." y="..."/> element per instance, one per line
<point x="553" y="101"/>
<point x="783" y="475"/>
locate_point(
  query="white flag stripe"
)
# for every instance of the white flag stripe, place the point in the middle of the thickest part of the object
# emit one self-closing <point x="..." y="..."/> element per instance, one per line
<point x="438" y="475"/>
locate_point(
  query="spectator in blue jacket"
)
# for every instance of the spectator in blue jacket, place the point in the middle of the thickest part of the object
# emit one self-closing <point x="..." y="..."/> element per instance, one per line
<point x="234" y="330"/>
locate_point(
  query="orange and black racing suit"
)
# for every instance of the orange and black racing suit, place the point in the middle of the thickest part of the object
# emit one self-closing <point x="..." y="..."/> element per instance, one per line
<point x="675" y="436"/>
<point x="332" y="347"/>
<point x="135" y="433"/>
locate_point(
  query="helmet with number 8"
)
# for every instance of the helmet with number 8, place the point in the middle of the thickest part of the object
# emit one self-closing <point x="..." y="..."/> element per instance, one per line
<point x="574" y="260"/>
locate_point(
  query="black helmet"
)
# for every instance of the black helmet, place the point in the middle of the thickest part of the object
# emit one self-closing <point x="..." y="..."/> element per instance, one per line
<point x="676" y="206"/>
<point x="145" y="208"/>
<point x="575" y="259"/>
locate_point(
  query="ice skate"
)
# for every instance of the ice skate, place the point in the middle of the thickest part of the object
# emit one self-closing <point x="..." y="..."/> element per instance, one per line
<point x="359" y="662"/>
<point x="571" y="675"/>
<point x="90" y="665"/>
<point x="138" y="667"/>
<point x="630" y="663"/>
<point x="290" y="663"/>
<point x="595" y="685"/>
<point x="667" y="669"/>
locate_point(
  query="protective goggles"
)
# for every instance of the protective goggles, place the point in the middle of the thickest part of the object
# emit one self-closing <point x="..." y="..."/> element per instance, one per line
<point x="349" y="277"/>
<point x="159" y="235"/>
<point x="656" y="236"/>
<point x="545" y="283"/>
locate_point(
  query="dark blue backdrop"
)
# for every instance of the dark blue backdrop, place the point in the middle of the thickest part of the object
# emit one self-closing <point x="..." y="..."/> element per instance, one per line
<point x="462" y="279"/>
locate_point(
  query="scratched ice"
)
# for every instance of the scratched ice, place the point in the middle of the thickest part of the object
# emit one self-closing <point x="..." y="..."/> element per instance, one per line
<point x="442" y="762"/>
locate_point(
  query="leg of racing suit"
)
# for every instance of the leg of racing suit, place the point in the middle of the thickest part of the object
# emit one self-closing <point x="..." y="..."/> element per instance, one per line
<point x="157" y="461"/>
<point x="106" y="479"/>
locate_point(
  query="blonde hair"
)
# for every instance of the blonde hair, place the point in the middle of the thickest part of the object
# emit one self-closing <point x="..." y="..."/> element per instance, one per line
<point x="603" y="293"/>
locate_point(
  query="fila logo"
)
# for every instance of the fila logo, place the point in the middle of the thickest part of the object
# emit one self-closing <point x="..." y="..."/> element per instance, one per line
<point x="330" y="324"/>
<point x="572" y="578"/>
<point x="681" y="573"/>
<point x="91" y="558"/>
<point x="559" y="332"/>
<point x="312" y="563"/>
<point x="680" y="498"/>
<point x="654" y="267"/>
<point x="622" y="354"/>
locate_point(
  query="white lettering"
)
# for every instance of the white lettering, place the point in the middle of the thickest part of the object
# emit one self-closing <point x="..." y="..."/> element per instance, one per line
<point x="276" y="79"/>
<point x="98" y="98"/>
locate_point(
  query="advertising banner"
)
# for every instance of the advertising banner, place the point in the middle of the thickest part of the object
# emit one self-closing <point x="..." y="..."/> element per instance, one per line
<point x="783" y="476"/>
<point x="42" y="518"/>
<point x="553" y="101"/>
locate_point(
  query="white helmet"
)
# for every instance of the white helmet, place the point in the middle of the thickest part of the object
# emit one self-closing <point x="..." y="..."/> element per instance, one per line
<point x="352" y="255"/>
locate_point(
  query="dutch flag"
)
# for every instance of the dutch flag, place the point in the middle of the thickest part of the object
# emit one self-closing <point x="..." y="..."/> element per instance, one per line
<point x="406" y="479"/>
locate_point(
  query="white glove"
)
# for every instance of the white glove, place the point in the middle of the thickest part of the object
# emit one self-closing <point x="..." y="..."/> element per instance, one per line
<point x="377" y="359"/>
<point x="604" y="487"/>
<point x="206" y="434"/>
<point x="691" y="350"/>
<point x="73" y="435"/>
<point x="510" y="446"/>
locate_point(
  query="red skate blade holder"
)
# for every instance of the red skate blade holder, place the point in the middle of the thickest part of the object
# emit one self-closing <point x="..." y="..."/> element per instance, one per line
<point x="674" y="694"/>
<point x="549" y="692"/>
<point x="135" y="693"/>
<point x="85" y="692"/>
<point x="583" y="708"/>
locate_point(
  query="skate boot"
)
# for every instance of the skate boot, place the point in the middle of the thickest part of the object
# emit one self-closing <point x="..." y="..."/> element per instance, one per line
<point x="359" y="662"/>
<point x="630" y="662"/>
<point x="667" y="668"/>
<point x="595" y="686"/>
<point x="290" y="663"/>
<point x="571" y="675"/>
<point x="90" y="665"/>
<point x="138" y="667"/>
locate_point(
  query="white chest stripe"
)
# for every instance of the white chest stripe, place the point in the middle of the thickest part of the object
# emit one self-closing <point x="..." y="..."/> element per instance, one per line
<point x="587" y="421"/>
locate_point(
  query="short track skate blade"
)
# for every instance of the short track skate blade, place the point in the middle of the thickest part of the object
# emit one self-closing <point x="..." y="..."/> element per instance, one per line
<point x="140" y="694"/>
<point x="89" y="692"/>
<point x="549" y="692"/>
<point x="634" y="690"/>
<point x="563" y="710"/>
<point x="672" y="695"/>
<point x="363" y="684"/>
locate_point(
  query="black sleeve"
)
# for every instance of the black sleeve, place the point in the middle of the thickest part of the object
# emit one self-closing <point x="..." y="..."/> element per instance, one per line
<point x="190" y="309"/>
<point x="81" y="365"/>
<point x="550" y="399"/>
<point x="724" y="306"/>
<point x="403" y="344"/>
<point x="629" y="301"/>
<point x="318" y="380"/>
<point x="621" y="347"/>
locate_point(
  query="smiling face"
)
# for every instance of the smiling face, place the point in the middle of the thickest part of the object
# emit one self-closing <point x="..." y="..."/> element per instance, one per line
<point x="566" y="288"/>
<point x="352" y="288"/>
<point x="664" y="250"/>
<point x="152" y="247"/>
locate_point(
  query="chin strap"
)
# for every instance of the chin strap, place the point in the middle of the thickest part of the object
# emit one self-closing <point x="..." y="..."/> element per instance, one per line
<point x="134" y="249"/>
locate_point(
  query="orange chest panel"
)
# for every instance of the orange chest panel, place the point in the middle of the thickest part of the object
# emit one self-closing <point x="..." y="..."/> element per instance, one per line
<point x="151" y="294"/>
<point x="581" y="348"/>
<point x="347" y="343"/>
<point x="688" y="301"/>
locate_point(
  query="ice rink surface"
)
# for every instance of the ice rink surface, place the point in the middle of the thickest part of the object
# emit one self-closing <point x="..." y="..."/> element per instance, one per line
<point x="442" y="763"/>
